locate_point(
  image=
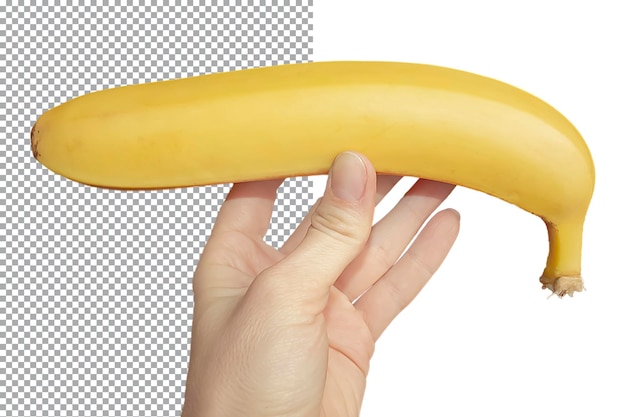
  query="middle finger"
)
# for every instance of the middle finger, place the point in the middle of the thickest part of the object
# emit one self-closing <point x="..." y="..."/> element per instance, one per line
<point x="391" y="235"/>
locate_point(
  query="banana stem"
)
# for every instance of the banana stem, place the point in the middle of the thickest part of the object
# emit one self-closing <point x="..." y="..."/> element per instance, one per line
<point x="562" y="274"/>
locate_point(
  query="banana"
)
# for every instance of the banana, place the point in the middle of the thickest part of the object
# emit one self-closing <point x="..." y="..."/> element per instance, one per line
<point x="292" y="120"/>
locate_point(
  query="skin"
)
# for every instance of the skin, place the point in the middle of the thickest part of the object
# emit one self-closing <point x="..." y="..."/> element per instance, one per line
<point x="291" y="331"/>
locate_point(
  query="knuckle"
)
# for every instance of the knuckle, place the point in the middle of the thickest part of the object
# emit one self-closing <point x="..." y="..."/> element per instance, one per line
<point x="383" y="254"/>
<point x="337" y="224"/>
<point x="394" y="293"/>
<point x="418" y="263"/>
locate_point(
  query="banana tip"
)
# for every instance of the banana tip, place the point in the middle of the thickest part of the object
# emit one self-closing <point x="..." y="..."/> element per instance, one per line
<point x="34" y="141"/>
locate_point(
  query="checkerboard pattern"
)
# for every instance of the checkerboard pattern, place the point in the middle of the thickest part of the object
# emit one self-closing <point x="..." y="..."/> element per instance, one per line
<point x="95" y="285"/>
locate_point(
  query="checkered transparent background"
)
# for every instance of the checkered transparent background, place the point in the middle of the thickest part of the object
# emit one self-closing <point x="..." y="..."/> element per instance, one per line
<point x="95" y="288"/>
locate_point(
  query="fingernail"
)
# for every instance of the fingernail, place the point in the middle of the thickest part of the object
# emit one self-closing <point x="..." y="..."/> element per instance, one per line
<point x="348" y="177"/>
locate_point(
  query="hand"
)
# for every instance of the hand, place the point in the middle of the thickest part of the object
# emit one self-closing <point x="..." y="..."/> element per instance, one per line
<point x="291" y="332"/>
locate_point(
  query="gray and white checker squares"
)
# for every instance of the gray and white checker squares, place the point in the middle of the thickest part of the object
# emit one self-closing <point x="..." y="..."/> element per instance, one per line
<point x="95" y="286"/>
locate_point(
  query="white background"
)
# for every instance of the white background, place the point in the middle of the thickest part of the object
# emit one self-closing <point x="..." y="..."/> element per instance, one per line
<point x="483" y="338"/>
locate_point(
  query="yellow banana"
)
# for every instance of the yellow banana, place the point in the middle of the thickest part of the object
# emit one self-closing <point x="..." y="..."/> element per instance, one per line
<point x="292" y="120"/>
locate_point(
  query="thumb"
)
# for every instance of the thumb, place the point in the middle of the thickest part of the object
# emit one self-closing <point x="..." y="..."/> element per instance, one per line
<point x="339" y="229"/>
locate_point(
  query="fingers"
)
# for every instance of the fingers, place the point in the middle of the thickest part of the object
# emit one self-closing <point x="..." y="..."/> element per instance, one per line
<point x="391" y="235"/>
<point x="384" y="184"/>
<point x="399" y="286"/>
<point x="248" y="208"/>
<point x="339" y="228"/>
<point x="298" y="234"/>
<point x="247" y="211"/>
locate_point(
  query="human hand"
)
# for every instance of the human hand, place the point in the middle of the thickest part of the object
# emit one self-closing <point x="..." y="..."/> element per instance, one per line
<point x="290" y="332"/>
